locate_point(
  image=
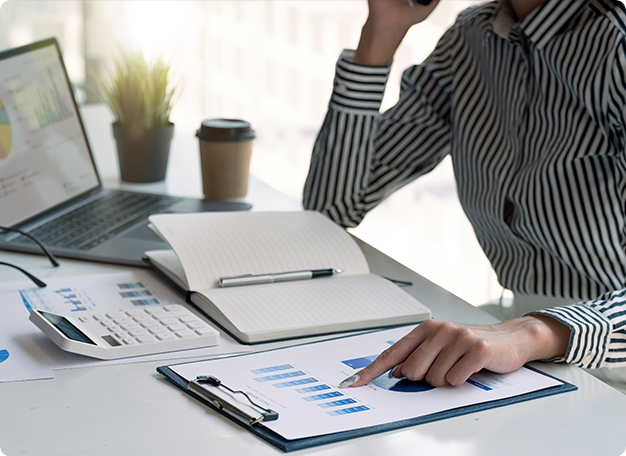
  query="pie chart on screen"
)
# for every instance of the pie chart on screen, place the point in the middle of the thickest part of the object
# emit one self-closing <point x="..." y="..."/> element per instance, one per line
<point x="6" y="136"/>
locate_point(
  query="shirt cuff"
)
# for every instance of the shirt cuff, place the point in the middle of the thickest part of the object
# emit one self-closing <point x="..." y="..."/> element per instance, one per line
<point x="357" y="86"/>
<point x="590" y="334"/>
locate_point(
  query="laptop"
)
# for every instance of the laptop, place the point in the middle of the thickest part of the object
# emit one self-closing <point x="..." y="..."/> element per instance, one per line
<point x="49" y="184"/>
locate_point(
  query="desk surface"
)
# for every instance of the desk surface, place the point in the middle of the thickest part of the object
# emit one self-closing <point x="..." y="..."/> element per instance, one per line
<point x="130" y="410"/>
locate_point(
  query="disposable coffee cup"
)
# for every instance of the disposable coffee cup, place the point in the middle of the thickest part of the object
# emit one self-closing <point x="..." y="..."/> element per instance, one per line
<point x="225" y="152"/>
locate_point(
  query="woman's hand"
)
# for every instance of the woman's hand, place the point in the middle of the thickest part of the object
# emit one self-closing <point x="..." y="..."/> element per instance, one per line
<point x="386" y="26"/>
<point x="444" y="353"/>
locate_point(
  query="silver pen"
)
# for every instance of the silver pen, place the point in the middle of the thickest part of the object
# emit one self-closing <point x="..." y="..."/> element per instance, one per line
<point x="254" y="279"/>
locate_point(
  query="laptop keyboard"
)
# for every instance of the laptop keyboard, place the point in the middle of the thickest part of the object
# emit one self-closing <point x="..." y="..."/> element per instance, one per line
<point x="98" y="221"/>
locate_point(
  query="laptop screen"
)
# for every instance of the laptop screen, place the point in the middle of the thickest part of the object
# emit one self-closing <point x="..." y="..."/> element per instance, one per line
<point x="44" y="156"/>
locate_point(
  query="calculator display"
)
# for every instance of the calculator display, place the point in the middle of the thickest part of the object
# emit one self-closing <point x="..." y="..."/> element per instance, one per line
<point x="66" y="328"/>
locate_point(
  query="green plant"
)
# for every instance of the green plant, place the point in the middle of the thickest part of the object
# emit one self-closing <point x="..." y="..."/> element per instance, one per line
<point x="139" y="91"/>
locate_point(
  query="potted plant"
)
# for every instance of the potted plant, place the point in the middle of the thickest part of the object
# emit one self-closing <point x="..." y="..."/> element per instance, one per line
<point x="140" y="94"/>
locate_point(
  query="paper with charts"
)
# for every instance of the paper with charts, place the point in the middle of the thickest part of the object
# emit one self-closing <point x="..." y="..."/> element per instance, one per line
<point x="300" y="383"/>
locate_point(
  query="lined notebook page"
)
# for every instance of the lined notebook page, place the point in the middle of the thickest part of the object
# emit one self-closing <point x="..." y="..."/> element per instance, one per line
<point x="330" y="303"/>
<point x="214" y="245"/>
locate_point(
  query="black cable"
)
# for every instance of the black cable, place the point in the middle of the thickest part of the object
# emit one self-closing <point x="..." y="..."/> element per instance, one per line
<point x="47" y="252"/>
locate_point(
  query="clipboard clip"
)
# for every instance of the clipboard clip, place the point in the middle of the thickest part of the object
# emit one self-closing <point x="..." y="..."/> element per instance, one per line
<point x="198" y="386"/>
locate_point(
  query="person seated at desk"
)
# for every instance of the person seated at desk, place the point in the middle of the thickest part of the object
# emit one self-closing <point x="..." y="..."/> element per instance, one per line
<point x="528" y="97"/>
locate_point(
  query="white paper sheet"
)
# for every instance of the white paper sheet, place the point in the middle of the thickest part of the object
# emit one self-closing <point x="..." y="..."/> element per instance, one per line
<point x="21" y="355"/>
<point x="27" y="354"/>
<point x="300" y="383"/>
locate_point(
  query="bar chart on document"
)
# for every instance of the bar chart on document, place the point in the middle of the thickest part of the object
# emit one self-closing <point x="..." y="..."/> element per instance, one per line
<point x="315" y="396"/>
<point x="324" y="397"/>
<point x="313" y="391"/>
<point x="65" y="300"/>
<point x="301" y="384"/>
<point x="94" y="294"/>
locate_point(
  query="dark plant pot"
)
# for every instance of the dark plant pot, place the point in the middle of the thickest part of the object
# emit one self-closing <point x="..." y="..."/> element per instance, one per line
<point x="143" y="154"/>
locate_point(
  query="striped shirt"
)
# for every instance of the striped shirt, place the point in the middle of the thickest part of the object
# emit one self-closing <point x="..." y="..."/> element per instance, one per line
<point x="533" y="116"/>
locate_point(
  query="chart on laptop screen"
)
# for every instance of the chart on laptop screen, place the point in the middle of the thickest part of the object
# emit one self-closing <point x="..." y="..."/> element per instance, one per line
<point x="44" y="157"/>
<point x="6" y="135"/>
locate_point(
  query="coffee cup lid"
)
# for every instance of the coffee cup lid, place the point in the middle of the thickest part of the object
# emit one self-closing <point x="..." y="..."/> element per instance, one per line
<point x="225" y="130"/>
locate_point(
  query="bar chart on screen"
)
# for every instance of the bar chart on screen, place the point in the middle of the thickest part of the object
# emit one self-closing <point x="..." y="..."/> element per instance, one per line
<point x="41" y="102"/>
<point x="6" y="134"/>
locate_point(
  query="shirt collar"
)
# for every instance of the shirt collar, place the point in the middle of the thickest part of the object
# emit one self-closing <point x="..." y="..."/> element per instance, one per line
<point x="541" y="25"/>
<point x="504" y="19"/>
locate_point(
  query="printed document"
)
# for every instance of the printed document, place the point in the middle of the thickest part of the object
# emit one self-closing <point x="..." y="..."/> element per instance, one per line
<point x="300" y="383"/>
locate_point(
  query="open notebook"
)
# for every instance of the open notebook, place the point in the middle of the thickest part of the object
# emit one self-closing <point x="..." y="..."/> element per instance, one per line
<point x="206" y="247"/>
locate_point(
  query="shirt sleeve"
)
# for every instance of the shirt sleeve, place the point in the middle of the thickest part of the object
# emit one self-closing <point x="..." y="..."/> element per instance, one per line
<point x="361" y="156"/>
<point x="598" y="330"/>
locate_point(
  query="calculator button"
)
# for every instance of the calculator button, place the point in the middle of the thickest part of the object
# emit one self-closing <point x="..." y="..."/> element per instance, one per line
<point x="156" y="311"/>
<point x="135" y="312"/>
<point x="129" y="324"/>
<point x="169" y="321"/>
<point x="129" y="341"/>
<point x="197" y="324"/>
<point x="166" y="336"/>
<point x="145" y="339"/>
<point x="99" y="317"/>
<point x="203" y="331"/>
<point x="115" y="315"/>
<point x="157" y="328"/>
<point x="142" y="318"/>
<point x="188" y="318"/>
<point x="176" y="327"/>
<point x="131" y="327"/>
<point x="138" y="332"/>
<point x="122" y="321"/>
<point x="185" y="334"/>
<point x="151" y="324"/>
<point x="172" y="307"/>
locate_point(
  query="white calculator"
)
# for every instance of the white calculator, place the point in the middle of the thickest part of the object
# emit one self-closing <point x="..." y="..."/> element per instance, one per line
<point x="125" y="333"/>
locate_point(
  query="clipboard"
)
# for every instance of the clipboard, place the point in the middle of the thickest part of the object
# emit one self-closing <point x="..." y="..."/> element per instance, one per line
<point x="223" y="398"/>
<point x="287" y="445"/>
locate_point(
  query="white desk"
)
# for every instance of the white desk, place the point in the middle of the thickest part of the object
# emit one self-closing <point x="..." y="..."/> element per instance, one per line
<point x="130" y="410"/>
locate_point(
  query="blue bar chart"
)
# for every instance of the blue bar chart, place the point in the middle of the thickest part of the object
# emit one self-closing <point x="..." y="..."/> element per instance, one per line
<point x="308" y="389"/>
<point x="64" y="300"/>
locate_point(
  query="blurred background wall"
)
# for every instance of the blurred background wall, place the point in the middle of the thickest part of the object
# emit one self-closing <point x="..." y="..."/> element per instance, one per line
<point x="272" y="63"/>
